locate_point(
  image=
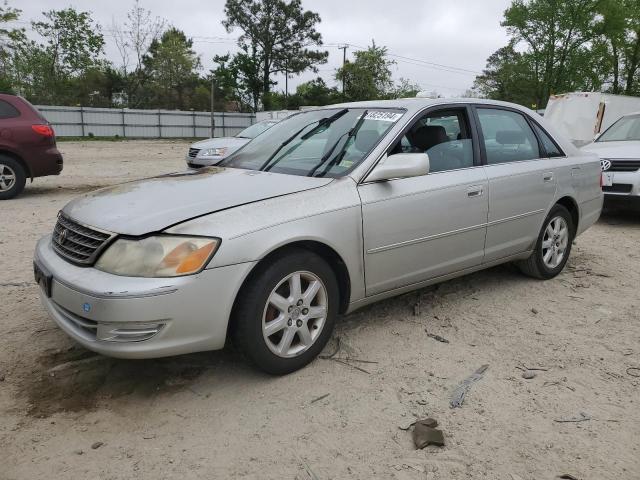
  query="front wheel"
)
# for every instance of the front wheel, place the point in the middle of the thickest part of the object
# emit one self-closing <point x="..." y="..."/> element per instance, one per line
<point x="285" y="314"/>
<point x="553" y="246"/>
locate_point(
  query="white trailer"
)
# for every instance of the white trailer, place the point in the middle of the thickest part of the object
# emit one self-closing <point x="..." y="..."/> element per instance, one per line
<point x="581" y="116"/>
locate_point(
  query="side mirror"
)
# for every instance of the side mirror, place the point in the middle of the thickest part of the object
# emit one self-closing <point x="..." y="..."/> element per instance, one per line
<point x="400" y="165"/>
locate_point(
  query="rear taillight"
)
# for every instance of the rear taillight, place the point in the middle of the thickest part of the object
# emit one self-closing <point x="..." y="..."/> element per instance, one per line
<point x="44" y="130"/>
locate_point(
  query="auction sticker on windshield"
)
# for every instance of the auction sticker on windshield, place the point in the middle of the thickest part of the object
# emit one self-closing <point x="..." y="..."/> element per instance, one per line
<point x="383" y="116"/>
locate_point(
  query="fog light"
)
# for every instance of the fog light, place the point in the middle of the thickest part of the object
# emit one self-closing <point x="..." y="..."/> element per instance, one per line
<point x="127" y="332"/>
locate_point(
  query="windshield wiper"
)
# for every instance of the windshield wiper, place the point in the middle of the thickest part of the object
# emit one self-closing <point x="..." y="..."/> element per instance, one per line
<point x="352" y="133"/>
<point x="266" y="166"/>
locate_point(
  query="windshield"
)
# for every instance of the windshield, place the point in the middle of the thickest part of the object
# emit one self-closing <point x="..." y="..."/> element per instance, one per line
<point x="625" y="129"/>
<point x="256" y="129"/>
<point x="317" y="143"/>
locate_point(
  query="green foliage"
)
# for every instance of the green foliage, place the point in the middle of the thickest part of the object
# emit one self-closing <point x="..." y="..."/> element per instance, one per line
<point x="564" y="45"/>
<point x="63" y="62"/>
<point x="51" y="71"/>
<point x="368" y="77"/>
<point x="275" y="36"/>
<point x="619" y="28"/>
<point x="73" y="41"/>
<point x="9" y="37"/>
<point x="171" y="66"/>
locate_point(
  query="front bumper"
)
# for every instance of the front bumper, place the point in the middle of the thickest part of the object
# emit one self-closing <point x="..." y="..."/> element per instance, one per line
<point x="130" y="317"/>
<point x="626" y="185"/>
<point x="197" y="162"/>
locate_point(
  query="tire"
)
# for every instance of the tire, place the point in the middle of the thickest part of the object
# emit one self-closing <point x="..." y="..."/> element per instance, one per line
<point x="301" y="331"/>
<point x="542" y="264"/>
<point x="12" y="177"/>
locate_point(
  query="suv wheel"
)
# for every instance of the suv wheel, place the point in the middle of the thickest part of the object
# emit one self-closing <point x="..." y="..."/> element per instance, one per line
<point x="12" y="177"/>
<point x="285" y="315"/>
<point x="553" y="246"/>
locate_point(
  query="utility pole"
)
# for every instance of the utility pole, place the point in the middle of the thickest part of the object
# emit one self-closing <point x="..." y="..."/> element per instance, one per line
<point x="344" y="61"/>
<point x="286" y="84"/>
<point x="213" y="122"/>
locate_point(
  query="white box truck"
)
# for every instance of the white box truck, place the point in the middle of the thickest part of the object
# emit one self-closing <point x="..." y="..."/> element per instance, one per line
<point x="581" y="116"/>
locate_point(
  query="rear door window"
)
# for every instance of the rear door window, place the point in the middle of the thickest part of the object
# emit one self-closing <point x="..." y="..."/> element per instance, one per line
<point x="7" y="110"/>
<point x="507" y="136"/>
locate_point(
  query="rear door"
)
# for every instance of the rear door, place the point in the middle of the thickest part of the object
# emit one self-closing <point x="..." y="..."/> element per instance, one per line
<point x="425" y="227"/>
<point x="522" y="183"/>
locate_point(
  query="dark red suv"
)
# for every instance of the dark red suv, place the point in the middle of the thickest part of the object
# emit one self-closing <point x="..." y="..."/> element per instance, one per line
<point x="27" y="146"/>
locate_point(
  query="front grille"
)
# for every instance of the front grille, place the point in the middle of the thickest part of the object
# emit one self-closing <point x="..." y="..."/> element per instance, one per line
<point x="624" y="166"/>
<point x="193" y="152"/>
<point x="77" y="243"/>
<point x="618" y="188"/>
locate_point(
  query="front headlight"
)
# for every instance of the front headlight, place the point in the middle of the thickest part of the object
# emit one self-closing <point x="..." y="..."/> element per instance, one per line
<point x="158" y="256"/>
<point x="213" y="152"/>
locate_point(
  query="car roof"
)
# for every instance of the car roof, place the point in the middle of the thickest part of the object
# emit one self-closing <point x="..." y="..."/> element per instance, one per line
<point x="419" y="103"/>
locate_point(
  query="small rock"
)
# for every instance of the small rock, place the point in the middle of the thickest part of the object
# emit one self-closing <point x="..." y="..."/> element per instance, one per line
<point x="534" y="311"/>
<point x="1" y="378"/>
<point x="97" y="445"/>
<point x="78" y="452"/>
<point x="528" y="374"/>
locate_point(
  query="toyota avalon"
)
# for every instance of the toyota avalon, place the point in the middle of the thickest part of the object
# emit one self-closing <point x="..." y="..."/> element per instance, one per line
<point x="329" y="210"/>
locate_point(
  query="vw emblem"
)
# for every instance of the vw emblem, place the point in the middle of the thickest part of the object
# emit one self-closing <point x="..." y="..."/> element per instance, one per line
<point x="62" y="236"/>
<point x="605" y="164"/>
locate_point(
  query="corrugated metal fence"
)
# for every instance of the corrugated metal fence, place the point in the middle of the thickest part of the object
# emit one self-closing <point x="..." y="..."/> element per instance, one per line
<point x="125" y="122"/>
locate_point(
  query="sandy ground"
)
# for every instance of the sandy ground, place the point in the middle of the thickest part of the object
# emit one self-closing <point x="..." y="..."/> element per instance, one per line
<point x="211" y="416"/>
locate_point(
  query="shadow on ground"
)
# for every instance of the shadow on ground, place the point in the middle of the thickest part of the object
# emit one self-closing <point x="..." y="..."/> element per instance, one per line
<point x="76" y="379"/>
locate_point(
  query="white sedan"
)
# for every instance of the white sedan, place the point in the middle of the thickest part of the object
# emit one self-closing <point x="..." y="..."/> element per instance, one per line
<point x="619" y="151"/>
<point x="213" y="150"/>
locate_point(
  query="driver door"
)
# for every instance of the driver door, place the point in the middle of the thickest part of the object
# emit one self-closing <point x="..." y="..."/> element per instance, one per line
<point x="425" y="227"/>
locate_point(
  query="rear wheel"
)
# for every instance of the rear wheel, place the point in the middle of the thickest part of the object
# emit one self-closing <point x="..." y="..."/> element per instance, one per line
<point x="553" y="246"/>
<point x="285" y="315"/>
<point x="12" y="177"/>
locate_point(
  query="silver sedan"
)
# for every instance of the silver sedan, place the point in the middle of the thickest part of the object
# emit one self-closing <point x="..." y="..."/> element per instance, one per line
<point x="328" y="211"/>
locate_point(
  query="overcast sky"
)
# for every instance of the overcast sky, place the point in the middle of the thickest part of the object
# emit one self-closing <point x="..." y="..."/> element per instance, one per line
<point x="455" y="33"/>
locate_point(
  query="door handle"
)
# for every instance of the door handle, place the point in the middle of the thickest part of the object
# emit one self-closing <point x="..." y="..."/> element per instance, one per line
<point x="475" y="191"/>
<point x="547" y="177"/>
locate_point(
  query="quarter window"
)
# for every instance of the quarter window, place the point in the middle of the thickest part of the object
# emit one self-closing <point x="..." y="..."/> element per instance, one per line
<point x="552" y="150"/>
<point x="444" y="136"/>
<point x="507" y="136"/>
<point x="7" y="110"/>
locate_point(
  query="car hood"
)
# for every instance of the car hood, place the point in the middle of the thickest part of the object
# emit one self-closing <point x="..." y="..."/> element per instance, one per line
<point x="151" y="205"/>
<point x="232" y="143"/>
<point x="618" y="150"/>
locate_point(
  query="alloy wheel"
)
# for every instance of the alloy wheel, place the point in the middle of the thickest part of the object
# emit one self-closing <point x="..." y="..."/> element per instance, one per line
<point x="295" y="314"/>
<point x="7" y="178"/>
<point x="555" y="242"/>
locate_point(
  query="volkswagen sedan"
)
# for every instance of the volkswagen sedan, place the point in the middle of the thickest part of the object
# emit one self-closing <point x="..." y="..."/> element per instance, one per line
<point x="328" y="211"/>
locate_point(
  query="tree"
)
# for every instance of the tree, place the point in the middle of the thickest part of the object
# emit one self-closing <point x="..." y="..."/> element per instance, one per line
<point x="619" y="26"/>
<point x="405" y="89"/>
<point x="276" y="35"/>
<point x="556" y="36"/>
<point x="8" y="40"/>
<point x="74" y="41"/>
<point x="237" y="81"/>
<point x="368" y="77"/>
<point x="508" y="76"/>
<point x="557" y="46"/>
<point x="317" y="93"/>
<point x="133" y="39"/>
<point x="171" y="66"/>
